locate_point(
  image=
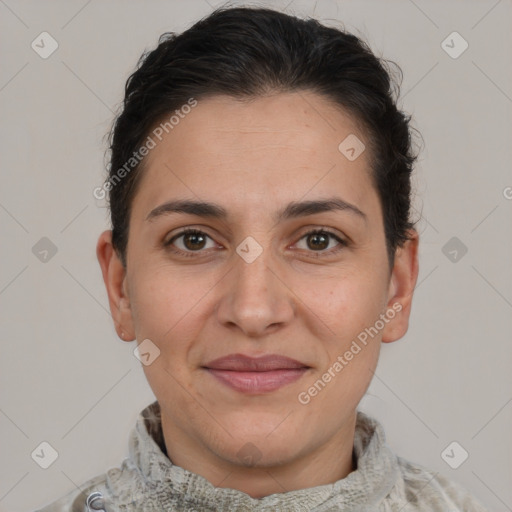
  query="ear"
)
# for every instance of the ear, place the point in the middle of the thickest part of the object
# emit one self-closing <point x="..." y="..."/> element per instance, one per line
<point x="114" y="276"/>
<point x="401" y="288"/>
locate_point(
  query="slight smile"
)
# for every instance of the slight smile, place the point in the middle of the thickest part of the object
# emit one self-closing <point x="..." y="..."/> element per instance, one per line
<point x="255" y="375"/>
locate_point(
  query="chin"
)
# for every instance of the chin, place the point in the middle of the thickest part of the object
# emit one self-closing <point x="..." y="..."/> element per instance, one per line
<point x="257" y="453"/>
<point x="262" y="447"/>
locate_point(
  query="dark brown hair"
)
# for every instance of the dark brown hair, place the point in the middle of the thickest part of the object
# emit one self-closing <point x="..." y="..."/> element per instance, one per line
<point x="247" y="52"/>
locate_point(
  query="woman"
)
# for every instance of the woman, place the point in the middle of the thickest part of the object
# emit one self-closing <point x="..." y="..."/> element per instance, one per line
<point x="261" y="250"/>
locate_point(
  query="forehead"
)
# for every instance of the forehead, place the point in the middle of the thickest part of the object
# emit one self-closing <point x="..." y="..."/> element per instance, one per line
<point x="304" y="120"/>
<point x="285" y="146"/>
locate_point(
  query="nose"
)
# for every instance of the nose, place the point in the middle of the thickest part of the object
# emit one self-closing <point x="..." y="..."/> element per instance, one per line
<point x="255" y="296"/>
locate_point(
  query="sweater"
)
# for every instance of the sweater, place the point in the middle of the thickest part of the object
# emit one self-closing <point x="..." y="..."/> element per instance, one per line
<point x="148" y="481"/>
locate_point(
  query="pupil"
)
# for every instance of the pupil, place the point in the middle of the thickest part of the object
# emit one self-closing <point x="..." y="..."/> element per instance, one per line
<point x="318" y="236"/>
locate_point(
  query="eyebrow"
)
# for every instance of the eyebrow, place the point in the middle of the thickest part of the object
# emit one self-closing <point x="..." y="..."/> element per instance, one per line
<point x="292" y="210"/>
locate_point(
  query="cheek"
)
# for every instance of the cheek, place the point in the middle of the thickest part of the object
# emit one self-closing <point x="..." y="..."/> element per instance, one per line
<point x="349" y="355"/>
<point x="166" y="306"/>
<point x="345" y="313"/>
<point x="166" y="300"/>
<point x="346" y="302"/>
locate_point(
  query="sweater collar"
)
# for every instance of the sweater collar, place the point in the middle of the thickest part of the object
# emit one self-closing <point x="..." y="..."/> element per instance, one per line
<point x="169" y="486"/>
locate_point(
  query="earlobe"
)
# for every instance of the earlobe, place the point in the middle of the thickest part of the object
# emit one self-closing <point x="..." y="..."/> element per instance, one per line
<point x="401" y="288"/>
<point x="114" y="277"/>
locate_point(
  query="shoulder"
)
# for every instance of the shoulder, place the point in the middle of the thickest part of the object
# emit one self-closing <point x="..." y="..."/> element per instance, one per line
<point x="75" y="500"/>
<point x="428" y="490"/>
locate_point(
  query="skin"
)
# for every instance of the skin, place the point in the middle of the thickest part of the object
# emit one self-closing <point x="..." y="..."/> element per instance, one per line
<point x="296" y="298"/>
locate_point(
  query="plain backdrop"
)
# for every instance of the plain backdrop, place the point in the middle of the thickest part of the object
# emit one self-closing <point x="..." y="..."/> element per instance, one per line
<point x="66" y="378"/>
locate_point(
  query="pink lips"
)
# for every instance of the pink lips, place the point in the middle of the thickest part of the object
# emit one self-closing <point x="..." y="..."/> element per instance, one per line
<point x="256" y="375"/>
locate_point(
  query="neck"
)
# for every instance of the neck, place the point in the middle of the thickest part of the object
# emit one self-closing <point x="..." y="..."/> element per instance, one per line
<point x="320" y="465"/>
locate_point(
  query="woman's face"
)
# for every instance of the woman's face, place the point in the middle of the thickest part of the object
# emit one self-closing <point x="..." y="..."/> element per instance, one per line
<point x="253" y="281"/>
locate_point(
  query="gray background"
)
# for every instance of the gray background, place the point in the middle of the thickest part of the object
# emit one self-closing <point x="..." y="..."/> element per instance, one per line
<point x="65" y="376"/>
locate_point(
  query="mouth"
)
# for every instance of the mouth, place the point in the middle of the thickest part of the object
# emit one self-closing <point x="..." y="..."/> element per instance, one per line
<point x="255" y="375"/>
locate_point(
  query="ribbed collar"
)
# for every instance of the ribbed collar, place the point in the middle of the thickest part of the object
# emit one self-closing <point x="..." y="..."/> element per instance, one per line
<point x="148" y="477"/>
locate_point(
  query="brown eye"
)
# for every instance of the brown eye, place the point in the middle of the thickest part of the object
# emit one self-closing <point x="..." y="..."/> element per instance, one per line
<point x="318" y="241"/>
<point x="194" y="241"/>
<point x="189" y="241"/>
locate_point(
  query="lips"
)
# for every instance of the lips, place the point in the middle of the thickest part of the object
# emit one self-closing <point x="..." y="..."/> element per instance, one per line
<point x="256" y="375"/>
<point x="243" y="363"/>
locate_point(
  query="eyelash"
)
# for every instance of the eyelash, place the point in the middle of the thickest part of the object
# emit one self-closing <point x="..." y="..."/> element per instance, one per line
<point x="168" y="245"/>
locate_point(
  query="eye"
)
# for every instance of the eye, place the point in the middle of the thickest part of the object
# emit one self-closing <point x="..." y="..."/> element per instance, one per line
<point x="192" y="240"/>
<point x="318" y="240"/>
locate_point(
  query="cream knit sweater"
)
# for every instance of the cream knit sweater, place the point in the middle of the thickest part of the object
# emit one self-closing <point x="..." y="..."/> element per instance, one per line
<point x="148" y="481"/>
